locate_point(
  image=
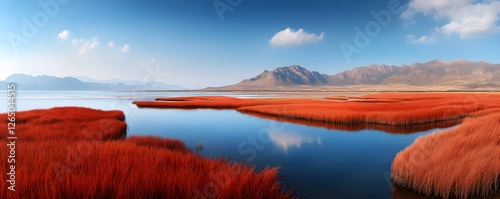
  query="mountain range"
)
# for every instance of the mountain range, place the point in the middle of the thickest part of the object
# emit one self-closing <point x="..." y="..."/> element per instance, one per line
<point x="434" y="75"/>
<point x="51" y="83"/>
<point x="457" y="75"/>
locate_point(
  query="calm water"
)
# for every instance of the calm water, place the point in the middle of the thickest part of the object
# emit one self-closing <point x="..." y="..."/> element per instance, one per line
<point x="316" y="162"/>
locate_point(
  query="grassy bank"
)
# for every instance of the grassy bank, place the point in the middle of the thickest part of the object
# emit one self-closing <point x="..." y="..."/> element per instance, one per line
<point x="457" y="163"/>
<point x="385" y="109"/>
<point x="83" y="153"/>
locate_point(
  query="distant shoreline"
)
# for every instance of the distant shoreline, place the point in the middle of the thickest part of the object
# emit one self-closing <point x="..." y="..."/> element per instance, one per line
<point x="317" y="91"/>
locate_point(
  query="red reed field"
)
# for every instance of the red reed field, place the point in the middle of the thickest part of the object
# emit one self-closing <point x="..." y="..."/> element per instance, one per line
<point x="83" y="153"/>
<point x="458" y="163"/>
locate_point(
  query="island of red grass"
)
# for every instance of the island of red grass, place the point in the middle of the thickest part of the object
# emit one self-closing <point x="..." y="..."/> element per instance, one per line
<point x="76" y="152"/>
<point x="387" y="109"/>
<point x="462" y="162"/>
<point x="396" y="129"/>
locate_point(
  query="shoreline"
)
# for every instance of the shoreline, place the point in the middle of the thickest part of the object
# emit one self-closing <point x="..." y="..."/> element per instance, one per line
<point x="81" y="152"/>
<point x="396" y="109"/>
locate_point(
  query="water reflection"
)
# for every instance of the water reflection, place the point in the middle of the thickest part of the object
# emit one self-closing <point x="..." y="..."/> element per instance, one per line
<point x="325" y="162"/>
<point x="404" y="193"/>
<point x="288" y="140"/>
<point x="399" y="192"/>
<point x="359" y="127"/>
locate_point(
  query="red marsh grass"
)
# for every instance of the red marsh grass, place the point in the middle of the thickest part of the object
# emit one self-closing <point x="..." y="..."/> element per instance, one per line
<point x="463" y="162"/>
<point x="82" y="153"/>
<point x="397" y="129"/>
<point x="396" y="109"/>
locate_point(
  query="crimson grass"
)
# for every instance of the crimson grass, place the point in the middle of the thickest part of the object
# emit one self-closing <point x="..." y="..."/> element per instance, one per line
<point x="386" y="109"/>
<point x="76" y="152"/>
<point x="458" y="163"/>
<point x="463" y="162"/>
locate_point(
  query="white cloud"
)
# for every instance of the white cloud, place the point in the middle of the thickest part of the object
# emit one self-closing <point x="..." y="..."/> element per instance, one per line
<point x="421" y="40"/>
<point x="290" y="37"/>
<point x="75" y="42"/>
<point x="291" y="140"/>
<point x="430" y="7"/>
<point x="125" y="48"/>
<point x="425" y="39"/>
<point x="64" y="34"/>
<point x="85" y="45"/>
<point x="467" y="18"/>
<point x="473" y="20"/>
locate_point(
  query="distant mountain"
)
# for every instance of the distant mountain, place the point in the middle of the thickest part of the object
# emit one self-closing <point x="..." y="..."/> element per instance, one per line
<point x="133" y="83"/>
<point x="50" y="83"/>
<point x="28" y="82"/>
<point x="458" y="72"/>
<point x="282" y="77"/>
<point x="433" y="75"/>
<point x="3" y="85"/>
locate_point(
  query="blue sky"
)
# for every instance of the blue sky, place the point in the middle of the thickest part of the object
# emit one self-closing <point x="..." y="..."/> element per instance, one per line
<point x="193" y="43"/>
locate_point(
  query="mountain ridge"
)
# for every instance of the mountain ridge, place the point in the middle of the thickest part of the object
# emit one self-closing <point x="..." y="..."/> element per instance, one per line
<point x="52" y="83"/>
<point x="432" y="75"/>
<point x="283" y="76"/>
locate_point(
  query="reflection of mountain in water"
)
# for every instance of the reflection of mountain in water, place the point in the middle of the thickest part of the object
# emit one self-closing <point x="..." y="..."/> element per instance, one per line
<point x="289" y="140"/>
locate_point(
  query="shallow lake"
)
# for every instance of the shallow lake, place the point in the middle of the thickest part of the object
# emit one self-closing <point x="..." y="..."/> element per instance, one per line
<point x="316" y="161"/>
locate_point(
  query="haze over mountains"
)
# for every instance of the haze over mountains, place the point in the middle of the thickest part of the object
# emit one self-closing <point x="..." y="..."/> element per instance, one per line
<point x="434" y="75"/>
<point x="51" y="83"/>
<point x="458" y="75"/>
